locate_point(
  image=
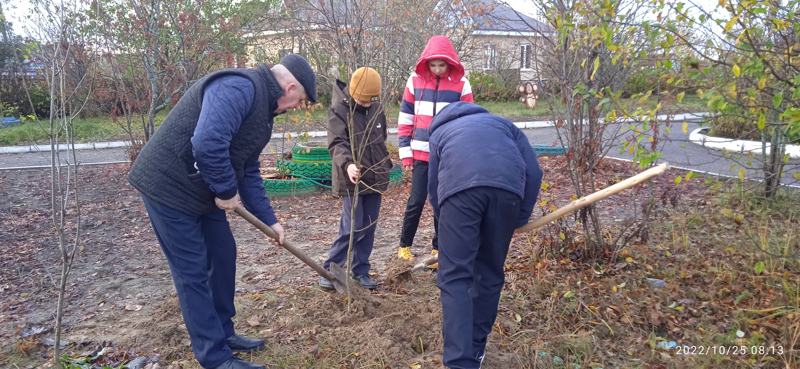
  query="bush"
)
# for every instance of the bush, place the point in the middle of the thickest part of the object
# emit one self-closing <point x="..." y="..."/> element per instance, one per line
<point x="730" y="126"/>
<point x="486" y="87"/>
<point x="41" y="100"/>
<point x="794" y="134"/>
<point x="8" y="110"/>
<point x="642" y="81"/>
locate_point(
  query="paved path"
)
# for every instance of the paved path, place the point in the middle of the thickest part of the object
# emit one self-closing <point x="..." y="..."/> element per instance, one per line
<point x="677" y="150"/>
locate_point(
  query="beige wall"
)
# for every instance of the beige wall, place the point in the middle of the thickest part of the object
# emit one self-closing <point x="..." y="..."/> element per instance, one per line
<point x="508" y="55"/>
<point x="270" y="47"/>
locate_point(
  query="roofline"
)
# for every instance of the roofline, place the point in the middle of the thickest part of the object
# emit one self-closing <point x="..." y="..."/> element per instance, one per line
<point x="510" y="33"/>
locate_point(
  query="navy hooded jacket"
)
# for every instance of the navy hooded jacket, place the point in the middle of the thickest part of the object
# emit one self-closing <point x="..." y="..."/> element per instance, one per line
<point x="469" y="147"/>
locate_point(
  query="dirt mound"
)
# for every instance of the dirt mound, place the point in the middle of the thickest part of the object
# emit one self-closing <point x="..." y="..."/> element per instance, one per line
<point x="385" y="326"/>
<point x="398" y="271"/>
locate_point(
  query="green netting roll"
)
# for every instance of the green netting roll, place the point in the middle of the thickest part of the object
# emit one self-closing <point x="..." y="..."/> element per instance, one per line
<point x="282" y="187"/>
<point x="396" y="175"/>
<point x="300" y="158"/>
<point x="311" y="170"/>
<point x="310" y="153"/>
<point x="311" y="148"/>
<point x="550" y="150"/>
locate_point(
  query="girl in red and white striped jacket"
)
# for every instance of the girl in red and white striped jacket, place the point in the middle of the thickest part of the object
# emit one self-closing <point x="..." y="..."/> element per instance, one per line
<point x="438" y="81"/>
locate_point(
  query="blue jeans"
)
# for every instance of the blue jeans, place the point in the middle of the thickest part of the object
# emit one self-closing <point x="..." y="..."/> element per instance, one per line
<point x="474" y="235"/>
<point x="367" y="211"/>
<point x="201" y="253"/>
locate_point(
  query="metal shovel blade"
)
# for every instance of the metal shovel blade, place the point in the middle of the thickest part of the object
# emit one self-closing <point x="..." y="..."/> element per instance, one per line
<point x="423" y="263"/>
<point x="339" y="278"/>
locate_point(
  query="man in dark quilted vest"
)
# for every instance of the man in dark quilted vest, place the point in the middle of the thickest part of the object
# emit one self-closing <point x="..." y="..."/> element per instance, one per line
<point x="197" y="166"/>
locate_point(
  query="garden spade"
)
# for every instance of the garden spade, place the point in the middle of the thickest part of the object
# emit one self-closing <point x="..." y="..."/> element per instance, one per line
<point x="575" y="205"/>
<point x="337" y="275"/>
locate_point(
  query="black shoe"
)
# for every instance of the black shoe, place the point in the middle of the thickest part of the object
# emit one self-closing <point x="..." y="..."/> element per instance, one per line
<point x="366" y="282"/>
<point x="238" y="343"/>
<point x="236" y="363"/>
<point x="324" y="283"/>
<point x="480" y="357"/>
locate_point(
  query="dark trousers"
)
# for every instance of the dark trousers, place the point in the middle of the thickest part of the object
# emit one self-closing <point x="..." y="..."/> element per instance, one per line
<point x="475" y="233"/>
<point x="416" y="202"/>
<point x="367" y="211"/>
<point x="201" y="253"/>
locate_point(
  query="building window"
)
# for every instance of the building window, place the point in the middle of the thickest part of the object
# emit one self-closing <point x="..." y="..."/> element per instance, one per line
<point x="490" y="56"/>
<point x="525" y="57"/>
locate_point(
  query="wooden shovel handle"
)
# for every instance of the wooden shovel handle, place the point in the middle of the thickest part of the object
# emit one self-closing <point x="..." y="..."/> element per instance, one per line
<point x="575" y="205"/>
<point x="594" y="197"/>
<point x="286" y="245"/>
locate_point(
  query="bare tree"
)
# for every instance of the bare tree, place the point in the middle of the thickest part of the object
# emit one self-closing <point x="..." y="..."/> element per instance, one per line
<point x="68" y="59"/>
<point x="341" y="36"/>
<point x="586" y="55"/>
<point x="167" y="43"/>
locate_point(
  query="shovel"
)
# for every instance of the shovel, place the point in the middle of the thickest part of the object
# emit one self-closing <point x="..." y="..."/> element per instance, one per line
<point x="575" y="205"/>
<point x="337" y="275"/>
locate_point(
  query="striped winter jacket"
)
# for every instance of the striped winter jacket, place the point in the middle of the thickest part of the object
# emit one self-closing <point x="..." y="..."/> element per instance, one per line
<point x="426" y="94"/>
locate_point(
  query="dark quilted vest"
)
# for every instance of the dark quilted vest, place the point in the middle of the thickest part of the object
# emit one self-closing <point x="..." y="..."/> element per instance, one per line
<point x="164" y="170"/>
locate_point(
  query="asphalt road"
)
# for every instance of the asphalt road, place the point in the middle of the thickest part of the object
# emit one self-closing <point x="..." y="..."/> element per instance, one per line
<point x="676" y="149"/>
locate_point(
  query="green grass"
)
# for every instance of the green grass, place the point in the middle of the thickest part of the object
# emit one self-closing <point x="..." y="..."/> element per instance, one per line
<point x="94" y="129"/>
<point x="690" y="103"/>
<point x="100" y="129"/>
<point x="515" y="109"/>
<point x="38" y="132"/>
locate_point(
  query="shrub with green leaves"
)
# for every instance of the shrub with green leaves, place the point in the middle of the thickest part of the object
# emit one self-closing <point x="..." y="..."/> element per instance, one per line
<point x="8" y="110"/>
<point x="733" y="125"/>
<point x="486" y="87"/>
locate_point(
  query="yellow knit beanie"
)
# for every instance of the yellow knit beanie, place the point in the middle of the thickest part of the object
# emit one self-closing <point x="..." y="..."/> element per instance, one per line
<point x="365" y="84"/>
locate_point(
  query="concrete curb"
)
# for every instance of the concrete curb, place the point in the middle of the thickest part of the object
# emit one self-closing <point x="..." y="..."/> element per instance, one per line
<point x="699" y="136"/>
<point x="115" y="144"/>
<point x="697" y="171"/>
<point x="42" y="148"/>
<point x="48" y="166"/>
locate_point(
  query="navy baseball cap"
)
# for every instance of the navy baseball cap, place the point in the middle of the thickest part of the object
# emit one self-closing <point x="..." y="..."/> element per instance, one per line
<point x="302" y="71"/>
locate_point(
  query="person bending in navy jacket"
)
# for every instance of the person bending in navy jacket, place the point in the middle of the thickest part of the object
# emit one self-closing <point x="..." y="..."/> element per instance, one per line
<point x="194" y="168"/>
<point x="484" y="178"/>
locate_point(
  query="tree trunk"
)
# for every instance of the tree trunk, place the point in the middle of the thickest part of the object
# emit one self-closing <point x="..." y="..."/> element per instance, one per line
<point x="62" y="288"/>
<point x="773" y="165"/>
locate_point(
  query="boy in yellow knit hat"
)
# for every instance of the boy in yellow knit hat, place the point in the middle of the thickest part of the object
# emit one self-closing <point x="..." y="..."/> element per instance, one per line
<point x="357" y="143"/>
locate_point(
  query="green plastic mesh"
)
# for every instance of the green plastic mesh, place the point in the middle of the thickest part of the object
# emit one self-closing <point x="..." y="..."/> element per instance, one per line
<point x="550" y="150"/>
<point x="396" y="175"/>
<point x="288" y="187"/>
<point x="311" y="151"/>
<point x="320" y="169"/>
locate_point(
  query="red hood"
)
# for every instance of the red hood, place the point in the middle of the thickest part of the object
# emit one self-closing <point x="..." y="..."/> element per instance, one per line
<point x="440" y="47"/>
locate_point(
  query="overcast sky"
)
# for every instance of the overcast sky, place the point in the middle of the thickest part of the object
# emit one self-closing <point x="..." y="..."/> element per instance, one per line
<point x="16" y="12"/>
